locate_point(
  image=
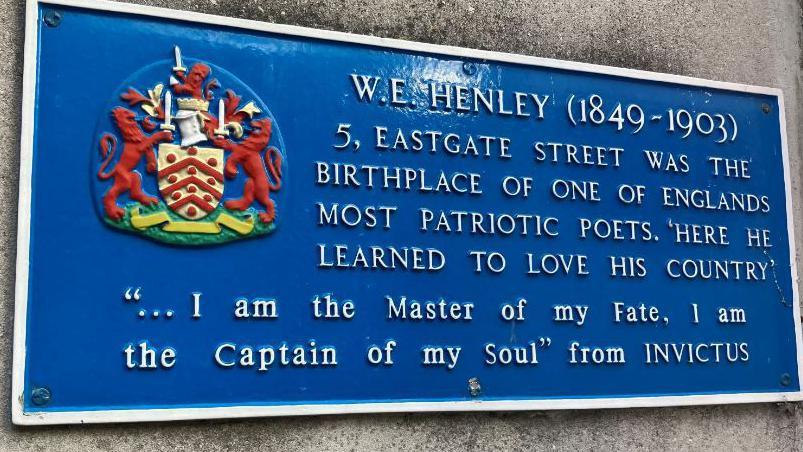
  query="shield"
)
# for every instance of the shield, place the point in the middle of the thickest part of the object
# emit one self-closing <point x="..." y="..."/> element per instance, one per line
<point x="190" y="179"/>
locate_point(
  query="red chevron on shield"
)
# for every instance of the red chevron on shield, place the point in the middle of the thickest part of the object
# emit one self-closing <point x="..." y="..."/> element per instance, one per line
<point x="190" y="179"/>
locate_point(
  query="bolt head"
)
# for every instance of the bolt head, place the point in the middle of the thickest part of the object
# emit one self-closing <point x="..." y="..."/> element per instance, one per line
<point x="52" y="18"/>
<point x="40" y="396"/>
<point x="474" y="387"/>
<point x="469" y="68"/>
<point x="786" y="380"/>
<point x="765" y="108"/>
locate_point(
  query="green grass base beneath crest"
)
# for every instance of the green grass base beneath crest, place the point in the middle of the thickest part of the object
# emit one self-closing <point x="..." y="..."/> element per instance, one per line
<point x="190" y="239"/>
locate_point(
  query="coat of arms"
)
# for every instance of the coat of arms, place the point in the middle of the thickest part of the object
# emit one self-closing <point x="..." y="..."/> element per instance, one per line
<point x="203" y="140"/>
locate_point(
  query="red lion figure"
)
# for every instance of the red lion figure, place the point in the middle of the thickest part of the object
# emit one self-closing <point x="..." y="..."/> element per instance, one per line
<point x="192" y="83"/>
<point x="136" y="143"/>
<point x="247" y="154"/>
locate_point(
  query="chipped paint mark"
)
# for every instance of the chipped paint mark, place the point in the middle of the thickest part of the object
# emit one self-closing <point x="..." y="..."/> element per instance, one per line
<point x="784" y="301"/>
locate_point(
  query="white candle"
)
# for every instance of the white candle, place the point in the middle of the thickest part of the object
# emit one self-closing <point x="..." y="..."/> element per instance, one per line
<point x="221" y="127"/>
<point x="168" y="107"/>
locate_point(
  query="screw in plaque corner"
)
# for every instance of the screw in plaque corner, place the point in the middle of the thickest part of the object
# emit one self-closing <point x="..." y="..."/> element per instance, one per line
<point x="52" y="18"/>
<point x="40" y="396"/>
<point x="786" y="379"/>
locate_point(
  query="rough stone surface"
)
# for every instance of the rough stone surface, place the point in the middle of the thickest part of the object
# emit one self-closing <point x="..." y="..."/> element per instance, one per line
<point x="755" y="42"/>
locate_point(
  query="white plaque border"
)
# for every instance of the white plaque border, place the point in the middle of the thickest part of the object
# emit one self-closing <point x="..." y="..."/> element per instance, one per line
<point x="21" y="417"/>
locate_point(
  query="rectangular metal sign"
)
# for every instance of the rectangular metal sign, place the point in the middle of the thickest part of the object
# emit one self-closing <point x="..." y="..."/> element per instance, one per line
<point x="226" y="218"/>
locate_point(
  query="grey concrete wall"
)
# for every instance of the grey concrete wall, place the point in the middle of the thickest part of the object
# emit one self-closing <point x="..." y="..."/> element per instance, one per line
<point x="756" y="42"/>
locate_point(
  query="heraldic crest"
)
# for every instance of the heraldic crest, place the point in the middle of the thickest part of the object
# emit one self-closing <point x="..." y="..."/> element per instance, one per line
<point x="193" y="145"/>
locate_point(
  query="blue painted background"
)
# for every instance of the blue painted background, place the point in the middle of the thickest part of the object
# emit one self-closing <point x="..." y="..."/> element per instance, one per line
<point x="78" y="323"/>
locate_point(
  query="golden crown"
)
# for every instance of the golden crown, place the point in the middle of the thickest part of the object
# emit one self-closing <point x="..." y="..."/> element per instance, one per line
<point x="191" y="103"/>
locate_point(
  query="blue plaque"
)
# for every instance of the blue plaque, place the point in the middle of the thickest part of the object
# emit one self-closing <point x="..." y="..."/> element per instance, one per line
<point x="226" y="218"/>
